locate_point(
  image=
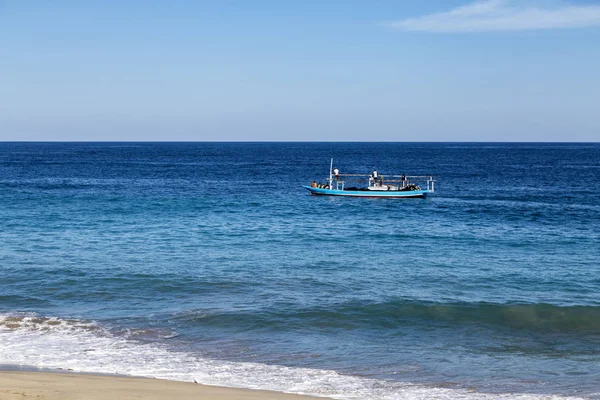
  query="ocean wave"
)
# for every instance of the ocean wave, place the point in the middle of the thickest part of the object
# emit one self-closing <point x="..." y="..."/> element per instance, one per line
<point x="55" y="343"/>
<point x="35" y="323"/>
<point x="538" y="317"/>
<point x="396" y="313"/>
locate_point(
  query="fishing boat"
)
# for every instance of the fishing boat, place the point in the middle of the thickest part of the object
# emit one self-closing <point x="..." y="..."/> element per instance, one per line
<point x="390" y="186"/>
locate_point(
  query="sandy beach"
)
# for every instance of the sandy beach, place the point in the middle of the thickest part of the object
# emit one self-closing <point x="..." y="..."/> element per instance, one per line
<point x="62" y="386"/>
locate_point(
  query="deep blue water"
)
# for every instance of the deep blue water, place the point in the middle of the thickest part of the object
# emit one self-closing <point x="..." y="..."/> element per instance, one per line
<point x="214" y="253"/>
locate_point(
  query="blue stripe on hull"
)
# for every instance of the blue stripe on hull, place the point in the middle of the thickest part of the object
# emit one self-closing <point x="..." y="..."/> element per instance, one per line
<point x="367" y="193"/>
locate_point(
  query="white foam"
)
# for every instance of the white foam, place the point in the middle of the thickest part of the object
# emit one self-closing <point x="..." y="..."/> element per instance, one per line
<point x="84" y="347"/>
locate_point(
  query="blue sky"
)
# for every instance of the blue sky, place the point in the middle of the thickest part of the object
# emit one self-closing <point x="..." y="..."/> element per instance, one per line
<point x="329" y="70"/>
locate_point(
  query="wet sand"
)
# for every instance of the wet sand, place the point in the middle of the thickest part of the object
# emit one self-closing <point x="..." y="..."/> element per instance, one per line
<point x="63" y="386"/>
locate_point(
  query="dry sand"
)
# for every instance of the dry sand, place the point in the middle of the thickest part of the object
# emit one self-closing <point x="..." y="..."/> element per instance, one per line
<point x="59" y="386"/>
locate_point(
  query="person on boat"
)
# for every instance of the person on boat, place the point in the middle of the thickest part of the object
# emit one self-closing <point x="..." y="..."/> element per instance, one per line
<point x="374" y="177"/>
<point x="314" y="184"/>
<point x="336" y="172"/>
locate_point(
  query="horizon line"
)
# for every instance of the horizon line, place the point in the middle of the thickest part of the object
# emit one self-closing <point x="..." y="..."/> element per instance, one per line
<point x="294" y="141"/>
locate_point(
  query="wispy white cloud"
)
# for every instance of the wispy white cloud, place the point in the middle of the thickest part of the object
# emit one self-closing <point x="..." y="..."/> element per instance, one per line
<point x="502" y="15"/>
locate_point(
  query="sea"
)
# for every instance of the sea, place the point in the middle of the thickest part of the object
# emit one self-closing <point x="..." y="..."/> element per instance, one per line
<point x="210" y="262"/>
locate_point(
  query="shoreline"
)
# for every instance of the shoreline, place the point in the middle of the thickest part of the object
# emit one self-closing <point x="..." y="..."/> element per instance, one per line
<point x="58" y="385"/>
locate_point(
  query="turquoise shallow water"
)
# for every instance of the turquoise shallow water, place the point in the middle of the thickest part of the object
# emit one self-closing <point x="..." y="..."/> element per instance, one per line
<point x="209" y="261"/>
